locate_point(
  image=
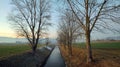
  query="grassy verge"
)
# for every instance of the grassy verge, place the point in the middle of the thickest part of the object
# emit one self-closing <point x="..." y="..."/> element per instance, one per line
<point x="106" y="54"/>
<point x="27" y="59"/>
<point x="9" y="50"/>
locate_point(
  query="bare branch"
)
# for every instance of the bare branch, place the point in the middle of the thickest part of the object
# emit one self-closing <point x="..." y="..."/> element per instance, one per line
<point x="97" y="15"/>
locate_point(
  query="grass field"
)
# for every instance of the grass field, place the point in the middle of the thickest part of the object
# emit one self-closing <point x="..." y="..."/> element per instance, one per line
<point x="7" y="50"/>
<point x="21" y="56"/>
<point x="114" y="45"/>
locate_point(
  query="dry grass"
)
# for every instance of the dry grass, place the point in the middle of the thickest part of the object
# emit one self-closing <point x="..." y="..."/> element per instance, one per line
<point x="102" y="57"/>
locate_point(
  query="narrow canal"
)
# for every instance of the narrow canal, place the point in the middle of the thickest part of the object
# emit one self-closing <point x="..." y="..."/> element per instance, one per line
<point x="55" y="59"/>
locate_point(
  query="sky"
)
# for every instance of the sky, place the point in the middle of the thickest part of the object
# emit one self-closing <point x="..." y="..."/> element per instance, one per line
<point x="5" y="27"/>
<point x="7" y="31"/>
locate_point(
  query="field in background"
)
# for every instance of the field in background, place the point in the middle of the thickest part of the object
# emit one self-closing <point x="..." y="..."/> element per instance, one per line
<point x="7" y="50"/>
<point x="107" y="45"/>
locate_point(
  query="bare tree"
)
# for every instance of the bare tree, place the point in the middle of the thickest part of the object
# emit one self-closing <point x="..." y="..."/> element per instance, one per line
<point x="47" y="41"/>
<point x="68" y="29"/>
<point x="62" y="37"/>
<point x="30" y="19"/>
<point x="94" y="14"/>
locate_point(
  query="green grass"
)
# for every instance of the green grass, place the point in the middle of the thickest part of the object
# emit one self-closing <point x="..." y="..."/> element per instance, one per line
<point x="114" y="45"/>
<point x="9" y="50"/>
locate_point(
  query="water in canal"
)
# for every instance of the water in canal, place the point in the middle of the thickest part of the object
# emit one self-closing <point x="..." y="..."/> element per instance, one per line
<point x="55" y="59"/>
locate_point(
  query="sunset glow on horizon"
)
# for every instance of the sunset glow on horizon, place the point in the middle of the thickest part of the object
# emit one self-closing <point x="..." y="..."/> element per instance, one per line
<point x="6" y="34"/>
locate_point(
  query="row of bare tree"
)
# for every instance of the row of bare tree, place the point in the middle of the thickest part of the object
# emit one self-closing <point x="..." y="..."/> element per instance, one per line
<point x="81" y="17"/>
<point x="68" y="30"/>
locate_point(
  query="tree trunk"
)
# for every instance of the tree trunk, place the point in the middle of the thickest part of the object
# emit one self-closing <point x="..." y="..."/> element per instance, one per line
<point x="88" y="46"/>
<point x="70" y="47"/>
<point x="70" y="54"/>
<point x="70" y="50"/>
<point x="34" y="49"/>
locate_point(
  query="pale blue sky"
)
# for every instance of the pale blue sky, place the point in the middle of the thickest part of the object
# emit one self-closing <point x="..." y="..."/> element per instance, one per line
<point x="6" y="30"/>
